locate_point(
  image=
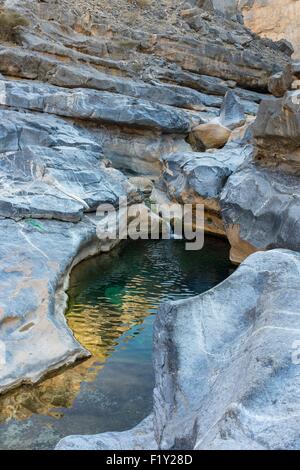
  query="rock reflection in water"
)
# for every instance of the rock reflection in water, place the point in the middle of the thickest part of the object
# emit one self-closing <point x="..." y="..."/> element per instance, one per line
<point x="47" y="397"/>
<point x="113" y="299"/>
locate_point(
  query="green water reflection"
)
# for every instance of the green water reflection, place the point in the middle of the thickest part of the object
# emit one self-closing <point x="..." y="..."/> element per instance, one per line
<point x="113" y="300"/>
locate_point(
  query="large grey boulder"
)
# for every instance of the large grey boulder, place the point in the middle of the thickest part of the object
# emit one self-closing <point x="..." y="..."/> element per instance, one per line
<point x="232" y="113"/>
<point x="93" y="105"/>
<point x="232" y="384"/>
<point x="260" y="209"/>
<point x="199" y="178"/>
<point x="35" y="260"/>
<point x="188" y="176"/>
<point x="226" y="365"/>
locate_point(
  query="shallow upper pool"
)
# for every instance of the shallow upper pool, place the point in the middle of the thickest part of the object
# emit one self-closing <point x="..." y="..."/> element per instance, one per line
<point x="113" y="300"/>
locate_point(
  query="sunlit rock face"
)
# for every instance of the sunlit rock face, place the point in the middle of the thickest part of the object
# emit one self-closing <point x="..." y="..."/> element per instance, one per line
<point x="86" y="92"/>
<point x="276" y="19"/>
<point x="233" y="383"/>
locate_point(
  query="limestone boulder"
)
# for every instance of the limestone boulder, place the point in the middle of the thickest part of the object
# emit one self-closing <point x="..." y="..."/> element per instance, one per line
<point x="50" y="169"/>
<point x="245" y="333"/>
<point x="191" y="175"/>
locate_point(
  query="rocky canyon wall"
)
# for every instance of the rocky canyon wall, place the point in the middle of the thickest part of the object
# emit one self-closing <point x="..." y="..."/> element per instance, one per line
<point x="93" y="92"/>
<point x="274" y="19"/>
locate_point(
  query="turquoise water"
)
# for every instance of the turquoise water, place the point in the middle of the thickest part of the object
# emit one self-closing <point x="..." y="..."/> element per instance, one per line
<point x="113" y="301"/>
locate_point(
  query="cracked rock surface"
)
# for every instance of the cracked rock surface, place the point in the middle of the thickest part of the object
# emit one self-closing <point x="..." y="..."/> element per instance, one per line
<point x="97" y="95"/>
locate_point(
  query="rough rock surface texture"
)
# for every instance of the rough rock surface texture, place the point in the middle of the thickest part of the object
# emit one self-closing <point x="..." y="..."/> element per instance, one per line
<point x="281" y="82"/>
<point x="277" y="131"/>
<point x="101" y="100"/>
<point x="251" y="187"/>
<point x="86" y="89"/>
<point x="260" y="203"/>
<point x="244" y="332"/>
<point x="278" y="20"/>
<point x="275" y="19"/>
<point x="199" y="178"/>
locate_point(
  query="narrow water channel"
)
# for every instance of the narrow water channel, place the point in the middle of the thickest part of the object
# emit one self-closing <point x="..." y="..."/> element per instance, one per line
<point x="113" y="299"/>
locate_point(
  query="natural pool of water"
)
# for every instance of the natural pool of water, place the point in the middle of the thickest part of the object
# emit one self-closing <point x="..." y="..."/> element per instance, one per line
<point x="113" y="301"/>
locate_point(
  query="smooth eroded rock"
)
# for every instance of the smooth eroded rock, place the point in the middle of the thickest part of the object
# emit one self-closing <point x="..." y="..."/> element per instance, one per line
<point x="260" y="209"/>
<point x="244" y="331"/>
<point x="93" y="106"/>
<point x="276" y="131"/>
<point x="198" y="178"/>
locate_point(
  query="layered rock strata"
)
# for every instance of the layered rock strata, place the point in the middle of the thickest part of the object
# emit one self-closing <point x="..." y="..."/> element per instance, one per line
<point x="87" y="91"/>
<point x="276" y="19"/>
